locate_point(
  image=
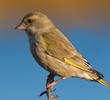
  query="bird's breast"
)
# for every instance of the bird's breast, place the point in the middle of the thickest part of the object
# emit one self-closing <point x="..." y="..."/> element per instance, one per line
<point x="37" y="47"/>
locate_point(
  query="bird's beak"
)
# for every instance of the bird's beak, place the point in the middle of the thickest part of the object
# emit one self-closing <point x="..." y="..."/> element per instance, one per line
<point x="21" y="27"/>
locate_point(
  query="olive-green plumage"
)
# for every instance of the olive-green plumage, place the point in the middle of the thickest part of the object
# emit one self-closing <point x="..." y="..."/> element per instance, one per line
<point x="54" y="52"/>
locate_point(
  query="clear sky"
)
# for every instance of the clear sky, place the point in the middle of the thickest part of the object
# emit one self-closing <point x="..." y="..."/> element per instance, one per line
<point x="21" y="78"/>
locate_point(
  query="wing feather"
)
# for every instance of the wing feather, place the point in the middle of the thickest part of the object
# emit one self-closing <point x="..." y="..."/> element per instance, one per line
<point x="58" y="46"/>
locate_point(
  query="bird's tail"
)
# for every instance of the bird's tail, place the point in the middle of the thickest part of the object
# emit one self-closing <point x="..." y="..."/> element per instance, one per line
<point x="102" y="81"/>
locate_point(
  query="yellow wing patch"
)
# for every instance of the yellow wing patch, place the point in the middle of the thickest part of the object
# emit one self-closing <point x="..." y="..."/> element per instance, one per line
<point x="68" y="61"/>
<point x="103" y="82"/>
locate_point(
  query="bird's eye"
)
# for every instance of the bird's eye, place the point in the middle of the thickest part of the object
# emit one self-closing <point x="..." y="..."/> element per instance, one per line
<point x="29" y="21"/>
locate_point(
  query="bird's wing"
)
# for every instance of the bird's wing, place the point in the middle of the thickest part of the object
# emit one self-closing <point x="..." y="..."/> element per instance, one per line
<point x="58" y="46"/>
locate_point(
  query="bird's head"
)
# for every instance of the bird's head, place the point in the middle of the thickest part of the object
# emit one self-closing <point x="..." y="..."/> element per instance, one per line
<point x="34" y="22"/>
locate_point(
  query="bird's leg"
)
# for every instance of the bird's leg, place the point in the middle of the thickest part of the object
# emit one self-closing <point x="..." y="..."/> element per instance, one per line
<point x="50" y="80"/>
<point x="54" y="82"/>
<point x="49" y="85"/>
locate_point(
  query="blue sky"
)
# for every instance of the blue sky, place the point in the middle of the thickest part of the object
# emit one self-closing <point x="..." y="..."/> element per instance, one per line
<point x="85" y="22"/>
<point x="23" y="79"/>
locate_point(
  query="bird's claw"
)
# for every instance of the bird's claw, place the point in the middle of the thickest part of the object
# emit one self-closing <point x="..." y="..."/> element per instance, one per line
<point x="49" y="97"/>
<point x="45" y="92"/>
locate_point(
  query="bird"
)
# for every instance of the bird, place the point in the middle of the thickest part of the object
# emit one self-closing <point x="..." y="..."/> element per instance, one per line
<point x="55" y="53"/>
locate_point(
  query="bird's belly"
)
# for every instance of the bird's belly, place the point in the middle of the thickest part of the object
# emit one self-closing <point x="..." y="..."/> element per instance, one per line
<point x="50" y="64"/>
<point x="56" y="66"/>
<point x="60" y="68"/>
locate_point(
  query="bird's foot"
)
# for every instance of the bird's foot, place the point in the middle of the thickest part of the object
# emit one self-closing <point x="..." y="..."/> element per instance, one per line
<point x="49" y="86"/>
<point x="48" y="94"/>
<point x="50" y="97"/>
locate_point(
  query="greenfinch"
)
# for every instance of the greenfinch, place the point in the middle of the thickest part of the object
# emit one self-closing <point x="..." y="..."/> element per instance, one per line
<point x="55" y="53"/>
